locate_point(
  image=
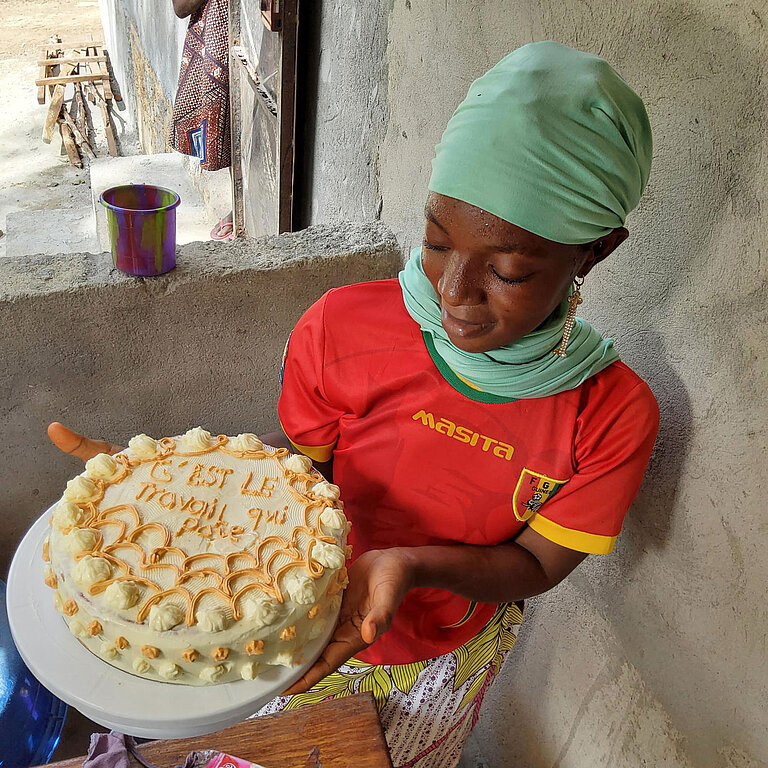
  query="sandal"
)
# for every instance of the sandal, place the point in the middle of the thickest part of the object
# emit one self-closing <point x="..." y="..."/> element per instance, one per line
<point x="224" y="230"/>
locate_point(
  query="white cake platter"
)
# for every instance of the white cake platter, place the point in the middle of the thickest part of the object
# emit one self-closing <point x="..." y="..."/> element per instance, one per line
<point x="109" y="696"/>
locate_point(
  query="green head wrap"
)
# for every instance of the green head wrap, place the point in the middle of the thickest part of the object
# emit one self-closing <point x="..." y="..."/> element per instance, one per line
<point x="550" y="139"/>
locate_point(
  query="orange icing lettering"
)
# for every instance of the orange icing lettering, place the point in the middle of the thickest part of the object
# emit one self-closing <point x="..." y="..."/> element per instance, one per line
<point x="165" y="476"/>
<point x="167" y="500"/>
<point x="215" y="476"/>
<point x="267" y="486"/>
<point x="256" y="514"/>
<point x="144" y="486"/>
<point x="188" y="526"/>
<point x="277" y="517"/>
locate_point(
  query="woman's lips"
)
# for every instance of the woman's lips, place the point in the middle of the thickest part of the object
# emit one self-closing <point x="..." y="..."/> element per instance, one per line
<point x="466" y="330"/>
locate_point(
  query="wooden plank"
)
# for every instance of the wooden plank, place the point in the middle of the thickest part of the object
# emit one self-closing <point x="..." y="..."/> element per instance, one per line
<point x="106" y="84"/>
<point x="77" y="133"/>
<point x="69" y="144"/>
<point x="63" y="45"/>
<point x="287" y="113"/>
<point x="82" y="117"/>
<point x="235" y="122"/>
<point x="44" y="67"/>
<point x="103" y="105"/>
<point x="345" y="733"/>
<point x="57" y="99"/>
<point x="72" y="60"/>
<point x="91" y="76"/>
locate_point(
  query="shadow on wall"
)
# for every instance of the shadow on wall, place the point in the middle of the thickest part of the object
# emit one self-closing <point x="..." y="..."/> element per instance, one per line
<point x="681" y="309"/>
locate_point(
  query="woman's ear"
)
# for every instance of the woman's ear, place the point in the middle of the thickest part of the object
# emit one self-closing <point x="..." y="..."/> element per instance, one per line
<point x="601" y="248"/>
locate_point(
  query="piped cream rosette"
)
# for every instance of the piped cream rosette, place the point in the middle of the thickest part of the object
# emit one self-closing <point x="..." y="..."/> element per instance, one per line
<point x="198" y="559"/>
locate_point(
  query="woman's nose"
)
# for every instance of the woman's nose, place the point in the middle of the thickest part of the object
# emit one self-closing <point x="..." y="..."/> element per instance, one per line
<point x="461" y="283"/>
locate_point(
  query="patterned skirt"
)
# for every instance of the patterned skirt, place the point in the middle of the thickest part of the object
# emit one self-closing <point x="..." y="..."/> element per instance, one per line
<point x="200" y="123"/>
<point x="427" y="708"/>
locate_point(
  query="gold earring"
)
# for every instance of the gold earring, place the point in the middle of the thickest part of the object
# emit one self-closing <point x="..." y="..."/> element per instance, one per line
<point x="570" y="318"/>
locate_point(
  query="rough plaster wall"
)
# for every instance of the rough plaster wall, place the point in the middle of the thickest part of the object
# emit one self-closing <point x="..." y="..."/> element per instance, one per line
<point x="113" y="356"/>
<point x="145" y="40"/>
<point x="348" y="89"/>
<point x="655" y="655"/>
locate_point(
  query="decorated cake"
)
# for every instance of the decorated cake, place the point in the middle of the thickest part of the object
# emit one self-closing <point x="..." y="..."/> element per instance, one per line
<point x="198" y="559"/>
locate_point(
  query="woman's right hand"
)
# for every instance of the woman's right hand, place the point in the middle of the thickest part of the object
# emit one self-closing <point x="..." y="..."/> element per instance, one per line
<point x="77" y="445"/>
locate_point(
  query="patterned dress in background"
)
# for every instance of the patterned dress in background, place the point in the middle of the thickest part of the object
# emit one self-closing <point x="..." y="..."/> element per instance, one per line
<point x="200" y="122"/>
<point x="427" y="708"/>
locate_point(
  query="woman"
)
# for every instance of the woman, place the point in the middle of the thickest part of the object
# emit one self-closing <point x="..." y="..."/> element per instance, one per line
<point x="200" y="124"/>
<point x="484" y="440"/>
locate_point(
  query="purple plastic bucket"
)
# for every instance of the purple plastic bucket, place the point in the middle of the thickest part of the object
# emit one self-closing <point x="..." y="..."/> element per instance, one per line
<point x="141" y="219"/>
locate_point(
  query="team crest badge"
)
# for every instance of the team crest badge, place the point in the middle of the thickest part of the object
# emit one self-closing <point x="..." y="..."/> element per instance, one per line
<point x="533" y="489"/>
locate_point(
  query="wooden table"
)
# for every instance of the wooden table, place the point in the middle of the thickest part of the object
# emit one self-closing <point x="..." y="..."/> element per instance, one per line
<point x="344" y="733"/>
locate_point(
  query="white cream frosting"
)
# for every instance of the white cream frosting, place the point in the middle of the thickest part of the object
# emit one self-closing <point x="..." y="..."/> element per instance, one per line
<point x="328" y="555"/>
<point x="58" y="603"/>
<point x="326" y="490"/>
<point x="246" y="441"/>
<point x="212" y="619"/>
<point x="107" y="650"/>
<point x="300" y="588"/>
<point x="298" y="463"/>
<point x="101" y="467"/>
<point x="80" y="488"/>
<point x="142" y="446"/>
<point x="76" y="628"/>
<point x="249" y="670"/>
<point x="89" y="570"/>
<point x="122" y="594"/>
<point x="317" y="628"/>
<point x="197" y="439"/>
<point x="80" y="540"/>
<point x="164" y="617"/>
<point x="141" y="665"/>
<point x="261" y="611"/>
<point x="169" y="670"/>
<point x="284" y="659"/>
<point x="67" y="514"/>
<point x="214" y="672"/>
<point x="333" y="520"/>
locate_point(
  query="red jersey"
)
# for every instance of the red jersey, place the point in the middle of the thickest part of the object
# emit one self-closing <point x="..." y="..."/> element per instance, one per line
<point x="422" y="458"/>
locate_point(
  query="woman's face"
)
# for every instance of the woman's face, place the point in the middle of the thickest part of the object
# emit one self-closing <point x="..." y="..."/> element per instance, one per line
<point x="495" y="281"/>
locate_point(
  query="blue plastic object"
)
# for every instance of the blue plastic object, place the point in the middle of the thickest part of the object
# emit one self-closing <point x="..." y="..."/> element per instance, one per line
<point x="31" y="718"/>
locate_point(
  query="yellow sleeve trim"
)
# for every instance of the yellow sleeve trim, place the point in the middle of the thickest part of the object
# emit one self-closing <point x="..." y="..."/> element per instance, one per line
<point x="591" y="543"/>
<point x="319" y="453"/>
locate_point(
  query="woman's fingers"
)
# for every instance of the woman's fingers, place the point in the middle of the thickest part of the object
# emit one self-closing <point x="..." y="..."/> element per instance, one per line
<point x="77" y="445"/>
<point x="344" y="644"/>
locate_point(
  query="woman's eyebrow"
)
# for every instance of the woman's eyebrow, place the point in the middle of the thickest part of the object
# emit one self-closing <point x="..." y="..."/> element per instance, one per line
<point x="431" y="217"/>
<point x="510" y="248"/>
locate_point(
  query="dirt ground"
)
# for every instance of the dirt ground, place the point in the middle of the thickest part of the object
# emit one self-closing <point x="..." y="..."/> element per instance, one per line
<point x="34" y="175"/>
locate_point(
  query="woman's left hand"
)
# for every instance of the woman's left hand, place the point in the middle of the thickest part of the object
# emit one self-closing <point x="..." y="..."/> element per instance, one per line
<point x="378" y="582"/>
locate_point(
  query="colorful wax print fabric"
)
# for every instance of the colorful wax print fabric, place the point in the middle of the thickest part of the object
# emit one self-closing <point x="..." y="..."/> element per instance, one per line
<point x="427" y="708"/>
<point x="200" y="124"/>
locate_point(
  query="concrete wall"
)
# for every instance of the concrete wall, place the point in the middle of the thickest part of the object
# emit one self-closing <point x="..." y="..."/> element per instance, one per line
<point x="112" y="355"/>
<point x="655" y="655"/>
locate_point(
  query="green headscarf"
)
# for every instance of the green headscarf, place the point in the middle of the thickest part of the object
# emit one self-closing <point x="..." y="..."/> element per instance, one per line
<point x="554" y="141"/>
<point x="550" y="139"/>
